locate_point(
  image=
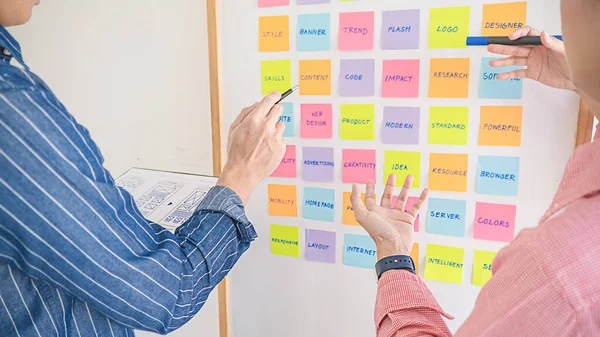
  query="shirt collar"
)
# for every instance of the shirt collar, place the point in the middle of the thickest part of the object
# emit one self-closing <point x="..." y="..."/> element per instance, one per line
<point x="8" y="42"/>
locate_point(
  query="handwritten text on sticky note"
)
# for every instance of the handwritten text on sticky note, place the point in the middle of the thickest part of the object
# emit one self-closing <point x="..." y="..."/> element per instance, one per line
<point x="402" y="164"/>
<point x="449" y="27"/>
<point x="282" y="200"/>
<point x="498" y="175"/>
<point x="287" y="166"/>
<point x="357" y="78"/>
<point x="503" y="19"/>
<point x="400" y="125"/>
<point x="444" y="263"/>
<point x="357" y="121"/>
<point x="446" y="217"/>
<point x="316" y="121"/>
<point x="315" y="77"/>
<point x="494" y="222"/>
<point x="317" y="164"/>
<point x="482" y="267"/>
<point x="313" y="32"/>
<point x="285" y="241"/>
<point x="490" y="87"/>
<point x="287" y="118"/>
<point x="356" y="31"/>
<point x="400" y="78"/>
<point x="400" y="29"/>
<point x="275" y="76"/>
<point x="359" y="251"/>
<point x="448" y="172"/>
<point x="501" y="125"/>
<point x="449" y="78"/>
<point x="320" y="246"/>
<point x="273" y="33"/>
<point x="358" y="166"/>
<point x="319" y="204"/>
<point x="448" y="125"/>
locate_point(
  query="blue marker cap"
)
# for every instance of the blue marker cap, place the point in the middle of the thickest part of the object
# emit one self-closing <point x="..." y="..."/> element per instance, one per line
<point x="477" y="41"/>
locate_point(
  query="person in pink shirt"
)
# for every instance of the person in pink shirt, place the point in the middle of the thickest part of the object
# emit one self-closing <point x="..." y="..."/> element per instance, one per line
<point x="547" y="281"/>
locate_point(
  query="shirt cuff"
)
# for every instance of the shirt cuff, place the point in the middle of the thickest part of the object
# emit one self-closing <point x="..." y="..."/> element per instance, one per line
<point x="224" y="200"/>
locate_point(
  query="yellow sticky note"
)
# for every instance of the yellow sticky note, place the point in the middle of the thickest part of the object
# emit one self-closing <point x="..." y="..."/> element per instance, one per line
<point x="275" y="76"/>
<point x="448" y="172"/>
<point x="449" y="125"/>
<point x="273" y="33"/>
<point x="414" y="254"/>
<point x="357" y="121"/>
<point x="449" y="27"/>
<point x="285" y="241"/>
<point x="503" y="19"/>
<point x="282" y="200"/>
<point x="348" y="212"/>
<point x="482" y="267"/>
<point x="315" y="77"/>
<point x="402" y="164"/>
<point x="444" y="263"/>
<point x="449" y="78"/>
<point x="500" y="125"/>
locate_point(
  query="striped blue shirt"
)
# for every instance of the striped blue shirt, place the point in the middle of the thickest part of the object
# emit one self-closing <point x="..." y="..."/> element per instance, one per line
<point x="76" y="256"/>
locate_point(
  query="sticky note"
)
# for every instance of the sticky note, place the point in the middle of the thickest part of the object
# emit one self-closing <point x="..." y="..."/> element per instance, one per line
<point x="319" y="204"/>
<point x="359" y="251"/>
<point x="449" y="125"/>
<point x="320" y="246"/>
<point x="356" y="31"/>
<point x="500" y="125"/>
<point x="444" y="263"/>
<point x="282" y="200"/>
<point x="494" y="222"/>
<point x="482" y="267"/>
<point x="348" y="217"/>
<point x="414" y="254"/>
<point x="358" y="166"/>
<point x="273" y="33"/>
<point x="312" y="2"/>
<point x="357" y="121"/>
<point x="446" y="217"/>
<point x="287" y="118"/>
<point x="357" y="78"/>
<point x="313" y="32"/>
<point x="273" y="3"/>
<point x="410" y="201"/>
<point x="402" y="164"/>
<point x="400" y="78"/>
<point x="287" y="166"/>
<point x="275" y="76"/>
<point x="315" y="77"/>
<point x="449" y="27"/>
<point x="448" y="172"/>
<point x="400" y="29"/>
<point x="503" y="19"/>
<point x="316" y="121"/>
<point x="490" y="87"/>
<point x="498" y="175"/>
<point x="317" y="164"/>
<point x="285" y="241"/>
<point x="400" y="125"/>
<point x="449" y="78"/>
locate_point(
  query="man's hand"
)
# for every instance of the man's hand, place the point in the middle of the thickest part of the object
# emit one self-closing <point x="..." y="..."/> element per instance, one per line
<point x="255" y="147"/>
<point x="390" y="227"/>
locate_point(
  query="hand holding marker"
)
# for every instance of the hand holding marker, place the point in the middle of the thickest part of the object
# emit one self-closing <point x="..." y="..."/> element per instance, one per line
<point x="505" y="40"/>
<point x="287" y="93"/>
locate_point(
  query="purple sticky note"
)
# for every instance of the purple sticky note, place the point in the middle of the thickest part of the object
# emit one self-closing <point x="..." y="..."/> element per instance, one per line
<point x="317" y="164"/>
<point x="400" y="30"/>
<point x="312" y="2"/>
<point x="400" y="125"/>
<point x="320" y="246"/>
<point x="357" y="78"/>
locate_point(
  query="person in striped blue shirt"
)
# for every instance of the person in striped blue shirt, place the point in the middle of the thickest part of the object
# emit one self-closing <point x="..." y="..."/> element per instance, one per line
<point x="76" y="256"/>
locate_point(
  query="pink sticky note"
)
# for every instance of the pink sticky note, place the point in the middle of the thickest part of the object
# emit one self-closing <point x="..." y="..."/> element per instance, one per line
<point x="287" y="167"/>
<point x="273" y="3"/>
<point x="356" y="31"/>
<point x="358" y="166"/>
<point x="400" y="78"/>
<point x="410" y="201"/>
<point x="315" y="121"/>
<point x="494" y="222"/>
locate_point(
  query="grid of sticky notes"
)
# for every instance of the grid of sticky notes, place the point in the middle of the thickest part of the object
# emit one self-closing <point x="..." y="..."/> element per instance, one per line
<point x="381" y="118"/>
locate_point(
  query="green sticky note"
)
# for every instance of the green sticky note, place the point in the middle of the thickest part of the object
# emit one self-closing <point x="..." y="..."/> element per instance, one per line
<point x="482" y="267"/>
<point x="275" y="76"/>
<point x="285" y="240"/>
<point x="449" y="27"/>
<point x="357" y="121"/>
<point x="449" y="125"/>
<point x="444" y="263"/>
<point x="402" y="164"/>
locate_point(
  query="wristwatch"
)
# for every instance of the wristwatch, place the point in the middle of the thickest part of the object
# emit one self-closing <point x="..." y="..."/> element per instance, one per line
<point x="394" y="262"/>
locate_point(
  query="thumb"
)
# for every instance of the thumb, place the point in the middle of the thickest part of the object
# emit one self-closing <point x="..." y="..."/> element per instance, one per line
<point x="360" y="211"/>
<point x="552" y="43"/>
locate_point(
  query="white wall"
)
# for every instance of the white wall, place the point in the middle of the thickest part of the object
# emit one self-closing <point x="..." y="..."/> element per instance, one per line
<point x="135" y="73"/>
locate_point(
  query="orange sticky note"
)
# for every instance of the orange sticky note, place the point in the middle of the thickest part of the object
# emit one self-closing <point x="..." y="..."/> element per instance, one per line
<point x="315" y="77"/>
<point x="449" y="78"/>
<point x="448" y="172"/>
<point x="282" y="200"/>
<point x="503" y="19"/>
<point x="501" y="125"/>
<point x="348" y="212"/>
<point x="414" y="254"/>
<point x="273" y="33"/>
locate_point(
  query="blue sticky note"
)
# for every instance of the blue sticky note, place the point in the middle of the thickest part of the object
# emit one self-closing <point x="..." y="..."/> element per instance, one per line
<point x="446" y="217"/>
<point x="319" y="204"/>
<point x="490" y="87"/>
<point x="359" y="251"/>
<point x="313" y="32"/>
<point x="498" y="175"/>
<point x="287" y="117"/>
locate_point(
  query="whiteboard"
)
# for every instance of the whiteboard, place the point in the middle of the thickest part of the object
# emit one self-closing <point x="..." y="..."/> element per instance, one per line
<point x="274" y="296"/>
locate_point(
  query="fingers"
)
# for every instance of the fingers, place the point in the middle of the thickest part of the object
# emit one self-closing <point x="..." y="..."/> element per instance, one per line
<point x="279" y="130"/>
<point x="370" y="194"/>
<point x="274" y="114"/>
<point x="510" y="50"/>
<point x="243" y="114"/>
<point x="360" y="210"/>
<point x="552" y="43"/>
<point x="386" y="198"/>
<point x="416" y="208"/>
<point x="266" y="104"/>
<point x="403" y="196"/>
<point x="509" y="61"/>
<point x="520" y="73"/>
<point x="525" y="31"/>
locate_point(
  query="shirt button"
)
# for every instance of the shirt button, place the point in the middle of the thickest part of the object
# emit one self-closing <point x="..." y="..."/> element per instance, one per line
<point x="6" y="52"/>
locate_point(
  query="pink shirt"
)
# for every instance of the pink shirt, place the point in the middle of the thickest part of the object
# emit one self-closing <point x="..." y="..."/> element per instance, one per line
<point x="545" y="283"/>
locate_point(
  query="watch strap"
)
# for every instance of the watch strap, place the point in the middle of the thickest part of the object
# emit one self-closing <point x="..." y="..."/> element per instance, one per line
<point x="395" y="262"/>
